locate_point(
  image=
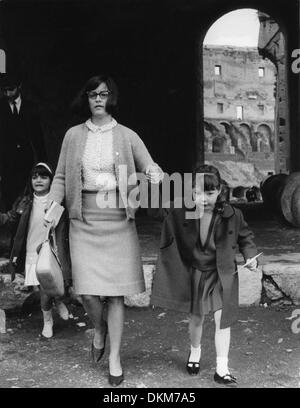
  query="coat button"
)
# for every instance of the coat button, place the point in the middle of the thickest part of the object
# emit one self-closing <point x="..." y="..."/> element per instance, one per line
<point x="230" y="232"/>
<point x="233" y="247"/>
<point x="117" y="153"/>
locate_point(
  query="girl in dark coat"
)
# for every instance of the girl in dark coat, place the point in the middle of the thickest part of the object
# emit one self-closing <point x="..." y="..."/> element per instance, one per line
<point x="196" y="269"/>
<point x="27" y="217"/>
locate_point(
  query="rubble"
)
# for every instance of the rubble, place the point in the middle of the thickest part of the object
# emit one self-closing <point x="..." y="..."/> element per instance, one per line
<point x="282" y="282"/>
<point x="12" y="294"/>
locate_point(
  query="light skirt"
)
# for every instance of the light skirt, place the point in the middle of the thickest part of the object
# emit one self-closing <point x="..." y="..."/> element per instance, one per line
<point x="105" y="252"/>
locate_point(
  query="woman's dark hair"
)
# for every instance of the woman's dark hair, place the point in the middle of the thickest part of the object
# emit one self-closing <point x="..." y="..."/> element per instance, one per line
<point x="39" y="169"/>
<point x="212" y="181"/>
<point x="80" y="105"/>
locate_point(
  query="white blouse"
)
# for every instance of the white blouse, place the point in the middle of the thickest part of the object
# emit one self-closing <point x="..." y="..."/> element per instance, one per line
<point x="98" y="168"/>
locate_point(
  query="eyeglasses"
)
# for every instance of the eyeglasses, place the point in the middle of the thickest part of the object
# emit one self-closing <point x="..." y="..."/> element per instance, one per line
<point x="102" y="94"/>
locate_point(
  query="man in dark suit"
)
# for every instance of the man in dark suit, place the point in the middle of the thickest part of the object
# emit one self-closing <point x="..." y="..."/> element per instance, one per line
<point x="21" y="139"/>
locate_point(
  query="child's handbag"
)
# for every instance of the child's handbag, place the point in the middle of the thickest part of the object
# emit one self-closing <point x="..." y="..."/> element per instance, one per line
<point x="48" y="267"/>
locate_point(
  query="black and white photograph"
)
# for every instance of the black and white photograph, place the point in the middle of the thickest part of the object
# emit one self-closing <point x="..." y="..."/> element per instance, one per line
<point x="149" y="197"/>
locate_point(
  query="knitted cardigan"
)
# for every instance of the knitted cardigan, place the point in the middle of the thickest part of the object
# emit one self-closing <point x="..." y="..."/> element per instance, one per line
<point x="128" y="149"/>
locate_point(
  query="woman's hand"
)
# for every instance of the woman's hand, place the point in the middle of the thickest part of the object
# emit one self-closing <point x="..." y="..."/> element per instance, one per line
<point x="154" y="173"/>
<point x="252" y="266"/>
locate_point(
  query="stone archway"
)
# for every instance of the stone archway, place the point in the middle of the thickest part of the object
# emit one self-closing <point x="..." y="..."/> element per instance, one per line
<point x="279" y="131"/>
<point x="207" y="137"/>
<point x="246" y="131"/>
<point x="218" y="144"/>
<point x="264" y="136"/>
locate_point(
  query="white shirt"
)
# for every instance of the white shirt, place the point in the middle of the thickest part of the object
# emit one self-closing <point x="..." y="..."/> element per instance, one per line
<point x="18" y="102"/>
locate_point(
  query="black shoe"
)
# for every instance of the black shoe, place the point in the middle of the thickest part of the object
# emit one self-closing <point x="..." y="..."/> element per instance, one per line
<point x="115" y="380"/>
<point x="227" y="379"/>
<point x="192" y="367"/>
<point x="96" y="353"/>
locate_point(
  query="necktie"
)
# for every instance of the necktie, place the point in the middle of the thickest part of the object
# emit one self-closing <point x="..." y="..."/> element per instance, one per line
<point x="15" y="110"/>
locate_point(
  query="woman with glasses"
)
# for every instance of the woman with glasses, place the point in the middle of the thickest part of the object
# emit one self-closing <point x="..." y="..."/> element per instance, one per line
<point x="96" y="174"/>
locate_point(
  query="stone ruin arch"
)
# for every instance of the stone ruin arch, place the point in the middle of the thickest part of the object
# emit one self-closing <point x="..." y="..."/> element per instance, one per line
<point x="265" y="139"/>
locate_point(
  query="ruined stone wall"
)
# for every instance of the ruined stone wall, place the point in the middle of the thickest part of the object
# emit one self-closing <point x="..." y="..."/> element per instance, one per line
<point x="271" y="44"/>
<point x="246" y="135"/>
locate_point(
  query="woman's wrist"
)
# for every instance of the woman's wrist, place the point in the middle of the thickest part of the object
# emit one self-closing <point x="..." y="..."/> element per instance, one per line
<point x="154" y="173"/>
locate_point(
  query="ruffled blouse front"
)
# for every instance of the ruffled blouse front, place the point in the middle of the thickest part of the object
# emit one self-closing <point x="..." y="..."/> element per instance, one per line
<point x="98" y="167"/>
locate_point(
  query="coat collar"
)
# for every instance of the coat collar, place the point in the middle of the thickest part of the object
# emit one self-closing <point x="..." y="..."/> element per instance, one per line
<point x="94" y="128"/>
<point x="228" y="211"/>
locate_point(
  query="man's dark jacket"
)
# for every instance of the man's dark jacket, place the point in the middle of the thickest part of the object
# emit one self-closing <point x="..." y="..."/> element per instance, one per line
<point x="21" y="146"/>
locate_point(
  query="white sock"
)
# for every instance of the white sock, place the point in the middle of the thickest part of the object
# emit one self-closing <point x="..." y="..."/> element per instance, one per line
<point x="222" y="366"/>
<point x="48" y="323"/>
<point x="195" y="354"/>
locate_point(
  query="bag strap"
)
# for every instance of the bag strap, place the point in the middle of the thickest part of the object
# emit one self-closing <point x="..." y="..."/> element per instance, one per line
<point x="50" y="236"/>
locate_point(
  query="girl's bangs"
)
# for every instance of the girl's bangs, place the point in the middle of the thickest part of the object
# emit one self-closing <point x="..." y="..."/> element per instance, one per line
<point x="211" y="182"/>
<point x="41" y="171"/>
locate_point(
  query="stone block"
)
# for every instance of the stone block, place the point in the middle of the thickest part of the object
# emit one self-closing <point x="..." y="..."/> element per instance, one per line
<point x="12" y="294"/>
<point x="3" y="265"/>
<point x="142" y="299"/>
<point x="272" y="292"/>
<point x="250" y="286"/>
<point x="287" y="279"/>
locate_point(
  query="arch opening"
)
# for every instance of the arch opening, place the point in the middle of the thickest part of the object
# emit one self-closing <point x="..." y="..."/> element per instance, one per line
<point x="241" y="74"/>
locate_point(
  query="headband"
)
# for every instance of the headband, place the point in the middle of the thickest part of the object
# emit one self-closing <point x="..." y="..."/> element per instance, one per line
<point x="44" y="165"/>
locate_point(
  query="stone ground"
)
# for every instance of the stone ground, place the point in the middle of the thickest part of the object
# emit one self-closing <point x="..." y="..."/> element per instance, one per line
<point x="265" y="352"/>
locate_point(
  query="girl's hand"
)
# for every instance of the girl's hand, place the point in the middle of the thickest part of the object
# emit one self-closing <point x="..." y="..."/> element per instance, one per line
<point x="154" y="173"/>
<point x="46" y="222"/>
<point x="252" y="266"/>
<point x="48" y="205"/>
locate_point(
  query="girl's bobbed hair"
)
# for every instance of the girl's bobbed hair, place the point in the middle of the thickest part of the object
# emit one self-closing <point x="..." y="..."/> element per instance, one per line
<point x="212" y="181"/>
<point x="80" y="105"/>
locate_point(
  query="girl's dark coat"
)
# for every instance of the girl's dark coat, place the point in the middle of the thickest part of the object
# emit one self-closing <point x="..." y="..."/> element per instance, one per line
<point x="172" y="280"/>
<point x="23" y="207"/>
